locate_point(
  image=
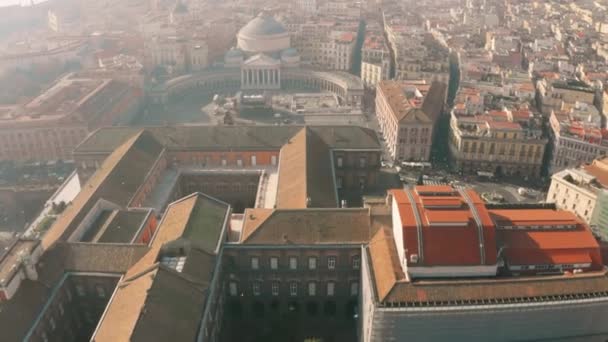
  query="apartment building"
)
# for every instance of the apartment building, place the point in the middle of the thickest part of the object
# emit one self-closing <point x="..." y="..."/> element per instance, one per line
<point x="407" y="113"/>
<point x="375" y="59"/>
<point x="499" y="140"/>
<point x="583" y="191"/>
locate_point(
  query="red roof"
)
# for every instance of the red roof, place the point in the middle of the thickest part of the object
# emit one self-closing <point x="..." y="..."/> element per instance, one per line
<point x="448" y="229"/>
<point x="543" y="257"/>
<point x="543" y="245"/>
<point x="448" y="234"/>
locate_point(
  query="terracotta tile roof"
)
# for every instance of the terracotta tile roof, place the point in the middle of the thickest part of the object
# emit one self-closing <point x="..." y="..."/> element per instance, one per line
<point x="123" y="311"/>
<point x="403" y="106"/>
<point x="102" y="258"/>
<point x="222" y="138"/>
<point x="493" y="291"/>
<point x="197" y="218"/>
<point x="306" y="226"/>
<point x="306" y="174"/>
<point x="292" y="183"/>
<point x="193" y="219"/>
<point x="117" y="180"/>
<point x="18" y="313"/>
<point x="172" y="309"/>
<point x="386" y="268"/>
<point x="254" y="219"/>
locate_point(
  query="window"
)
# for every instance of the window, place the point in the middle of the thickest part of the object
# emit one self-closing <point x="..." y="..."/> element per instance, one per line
<point x="224" y="162"/>
<point x="293" y="263"/>
<point x="331" y="262"/>
<point x="255" y="263"/>
<point x="340" y="161"/>
<point x="362" y="162"/>
<point x="101" y="292"/>
<point x="80" y="290"/>
<point x="273" y="160"/>
<point x="232" y="288"/>
<point x="254" y="160"/>
<point x="312" y="263"/>
<point x="354" y="289"/>
<point x="239" y="162"/>
<point x="274" y="263"/>
<point x="293" y="289"/>
<point x="256" y="288"/>
<point x="312" y="289"/>
<point x="356" y="262"/>
<point x="331" y="286"/>
<point x="275" y="289"/>
<point x="61" y="309"/>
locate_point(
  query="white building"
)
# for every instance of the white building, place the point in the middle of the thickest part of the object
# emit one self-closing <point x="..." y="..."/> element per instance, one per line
<point x="176" y="54"/>
<point x="375" y="59"/>
<point x="575" y="142"/>
<point x="583" y="191"/>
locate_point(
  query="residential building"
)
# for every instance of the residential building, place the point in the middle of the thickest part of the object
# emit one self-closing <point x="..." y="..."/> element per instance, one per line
<point x="554" y="95"/>
<point x="575" y="140"/>
<point x="407" y="113"/>
<point x="502" y="140"/>
<point x="375" y="59"/>
<point x="583" y="191"/>
<point x="325" y="43"/>
<point x="177" y="55"/>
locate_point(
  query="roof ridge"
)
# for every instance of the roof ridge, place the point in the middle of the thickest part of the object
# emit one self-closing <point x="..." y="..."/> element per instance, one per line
<point x="139" y="274"/>
<point x="257" y="227"/>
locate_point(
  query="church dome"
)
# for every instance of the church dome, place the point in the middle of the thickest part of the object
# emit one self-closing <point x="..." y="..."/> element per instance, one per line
<point x="263" y="34"/>
<point x="262" y="25"/>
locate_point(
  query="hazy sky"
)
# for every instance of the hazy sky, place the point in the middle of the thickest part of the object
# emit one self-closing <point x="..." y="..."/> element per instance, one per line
<point x="16" y="2"/>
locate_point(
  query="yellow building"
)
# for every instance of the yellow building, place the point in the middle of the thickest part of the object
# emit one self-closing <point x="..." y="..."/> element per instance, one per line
<point x="501" y="142"/>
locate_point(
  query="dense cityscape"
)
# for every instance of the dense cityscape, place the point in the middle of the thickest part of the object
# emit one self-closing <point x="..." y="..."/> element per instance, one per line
<point x="304" y="170"/>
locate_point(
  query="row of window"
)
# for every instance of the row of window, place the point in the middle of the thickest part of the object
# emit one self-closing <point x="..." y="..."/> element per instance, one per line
<point x="362" y="162"/>
<point x="294" y="287"/>
<point x="312" y="263"/>
<point x="503" y="149"/>
<point x="208" y="160"/>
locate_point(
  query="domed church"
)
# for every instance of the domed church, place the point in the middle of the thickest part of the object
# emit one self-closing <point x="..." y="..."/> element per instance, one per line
<point x="263" y="34"/>
<point x="263" y="48"/>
